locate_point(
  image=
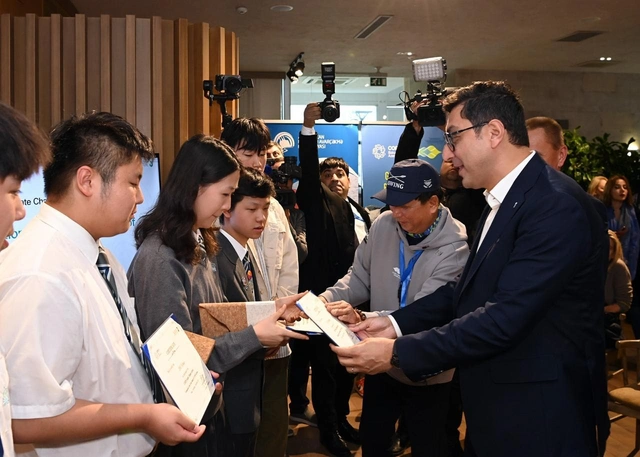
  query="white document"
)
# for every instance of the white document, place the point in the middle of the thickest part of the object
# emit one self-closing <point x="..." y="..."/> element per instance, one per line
<point x="181" y="370"/>
<point x="305" y="326"/>
<point x="258" y="310"/>
<point x="333" y="327"/>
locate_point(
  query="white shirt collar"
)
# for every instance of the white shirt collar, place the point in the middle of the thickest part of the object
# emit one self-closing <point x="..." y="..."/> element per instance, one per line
<point x="496" y="196"/>
<point x="70" y="229"/>
<point x="240" y="249"/>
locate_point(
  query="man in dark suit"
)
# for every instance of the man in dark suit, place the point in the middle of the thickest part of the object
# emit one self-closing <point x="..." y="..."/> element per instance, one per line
<point x="335" y="226"/>
<point x="525" y="328"/>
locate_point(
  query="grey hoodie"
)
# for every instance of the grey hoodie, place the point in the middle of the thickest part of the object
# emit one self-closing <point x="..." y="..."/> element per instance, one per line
<point x="375" y="274"/>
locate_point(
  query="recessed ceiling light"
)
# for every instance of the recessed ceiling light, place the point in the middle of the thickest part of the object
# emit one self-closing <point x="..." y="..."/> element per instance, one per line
<point x="281" y="8"/>
<point x="608" y="58"/>
<point x="366" y="85"/>
<point x="605" y="58"/>
<point x="404" y="53"/>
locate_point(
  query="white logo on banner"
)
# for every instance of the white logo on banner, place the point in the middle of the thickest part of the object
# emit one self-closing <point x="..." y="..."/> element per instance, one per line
<point x="378" y="151"/>
<point x="284" y="140"/>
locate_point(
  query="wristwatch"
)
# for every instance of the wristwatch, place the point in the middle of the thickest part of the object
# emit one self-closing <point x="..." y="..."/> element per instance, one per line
<point x="395" y="361"/>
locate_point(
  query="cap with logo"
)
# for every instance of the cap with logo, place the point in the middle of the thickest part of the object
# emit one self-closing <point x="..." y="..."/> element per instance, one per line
<point x="407" y="180"/>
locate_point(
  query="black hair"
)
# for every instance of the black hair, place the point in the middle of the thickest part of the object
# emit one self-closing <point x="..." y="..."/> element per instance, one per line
<point x="202" y="160"/>
<point x="24" y="147"/>
<point x="102" y="141"/>
<point x="251" y="134"/>
<point x="252" y="183"/>
<point x="334" y="162"/>
<point x="483" y="101"/>
<point x="426" y="196"/>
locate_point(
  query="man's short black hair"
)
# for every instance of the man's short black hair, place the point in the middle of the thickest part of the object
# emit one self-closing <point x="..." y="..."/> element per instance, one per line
<point x="334" y="162"/>
<point x="251" y="134"/>
<point x="426" y="196"/>
<point x="102" y="141"/>
<point x="252" y="183"/>
<point x="24" y="148"/>
<point x="483" y="101"/>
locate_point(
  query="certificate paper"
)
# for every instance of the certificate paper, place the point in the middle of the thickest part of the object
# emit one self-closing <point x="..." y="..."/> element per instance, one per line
<point x="333" y="327"/>
<point x="305" y="326"/>
<point x="181" y="370"/>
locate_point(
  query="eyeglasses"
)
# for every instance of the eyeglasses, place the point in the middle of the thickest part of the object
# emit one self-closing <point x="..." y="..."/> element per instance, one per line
<point x="448" y="137"/>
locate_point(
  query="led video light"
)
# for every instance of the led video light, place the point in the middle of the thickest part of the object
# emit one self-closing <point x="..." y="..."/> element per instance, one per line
<point x="431" y="69"/>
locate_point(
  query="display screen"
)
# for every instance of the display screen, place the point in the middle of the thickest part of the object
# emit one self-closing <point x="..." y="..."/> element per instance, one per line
<point x="123" y="245"/>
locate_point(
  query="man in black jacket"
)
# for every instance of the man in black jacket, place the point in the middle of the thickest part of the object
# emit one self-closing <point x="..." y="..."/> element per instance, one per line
<point x="335" y="226"/>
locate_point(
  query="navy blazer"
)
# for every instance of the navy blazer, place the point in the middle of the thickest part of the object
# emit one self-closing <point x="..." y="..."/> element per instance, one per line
<point x="243" y="383"/>
<point x="527" y="328"/>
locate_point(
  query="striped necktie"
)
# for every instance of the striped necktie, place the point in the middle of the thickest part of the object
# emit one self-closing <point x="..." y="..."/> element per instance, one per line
<point x="248" y="271"/>
<point x="129" y="330"/>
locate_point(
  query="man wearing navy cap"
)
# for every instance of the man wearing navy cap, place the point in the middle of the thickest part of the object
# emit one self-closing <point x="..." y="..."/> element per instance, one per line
<point x="410" y="251"/>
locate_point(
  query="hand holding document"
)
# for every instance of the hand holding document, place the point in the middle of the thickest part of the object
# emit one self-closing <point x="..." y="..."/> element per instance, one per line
<point x="180" y="368"/>
<point x="305" y="326"/>
<point x="334" y="329"/>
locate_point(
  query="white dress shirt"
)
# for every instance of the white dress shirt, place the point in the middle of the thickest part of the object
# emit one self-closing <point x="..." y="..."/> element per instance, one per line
<point x="5" y="409"/>
<point x="496" y="196"/>
<point x="63" y="334"/>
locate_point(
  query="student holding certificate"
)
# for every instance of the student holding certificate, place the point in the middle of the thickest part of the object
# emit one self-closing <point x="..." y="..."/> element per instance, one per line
<point x="172" y="272"/>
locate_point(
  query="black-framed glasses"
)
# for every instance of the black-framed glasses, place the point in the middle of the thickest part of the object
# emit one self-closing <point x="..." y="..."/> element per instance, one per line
<point x="448" y="137"/>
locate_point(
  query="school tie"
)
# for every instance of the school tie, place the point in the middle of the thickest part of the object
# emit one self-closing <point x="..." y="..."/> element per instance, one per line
<point x="129" y="330"/>
<point x="248" y="272"/>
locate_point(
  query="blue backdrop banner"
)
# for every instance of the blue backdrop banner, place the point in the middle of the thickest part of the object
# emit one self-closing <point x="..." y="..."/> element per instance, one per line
<point x="334" y="140"/>
<point x="379" y="143"/>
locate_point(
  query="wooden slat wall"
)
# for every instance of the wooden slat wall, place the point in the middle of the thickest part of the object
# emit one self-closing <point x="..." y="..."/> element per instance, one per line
<point x="149" y="71"/>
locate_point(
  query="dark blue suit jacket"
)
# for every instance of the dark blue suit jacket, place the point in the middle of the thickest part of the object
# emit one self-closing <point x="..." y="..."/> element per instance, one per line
<point x="527" y="331"/>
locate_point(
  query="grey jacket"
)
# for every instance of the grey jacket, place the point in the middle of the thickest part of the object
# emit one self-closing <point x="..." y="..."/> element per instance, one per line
<point x="375" y="274"/>
<point x="161" y="285"/>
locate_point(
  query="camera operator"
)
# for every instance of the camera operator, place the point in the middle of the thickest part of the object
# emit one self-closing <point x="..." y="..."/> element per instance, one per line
<point x="332" y="223"/>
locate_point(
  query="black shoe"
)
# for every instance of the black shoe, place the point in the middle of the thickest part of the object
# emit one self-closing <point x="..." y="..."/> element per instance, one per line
<point x="348" y="432"/>
<point x="334" y="443"/>
<point x="399" y="444"/>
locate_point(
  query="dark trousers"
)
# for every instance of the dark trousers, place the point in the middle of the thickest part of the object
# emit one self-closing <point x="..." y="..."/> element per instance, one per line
<point x="454" y="417"/>
<point x="331" y="385"/>
<point x="299" y="375"/>
<point x="424" y="409"/>
<point x="242" y="444"/>
<point x="274" y="422"/>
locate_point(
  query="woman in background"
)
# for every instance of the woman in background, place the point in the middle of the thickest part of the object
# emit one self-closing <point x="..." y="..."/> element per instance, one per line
<point x="618" y="292"/>
<point x="622" y="219"/>
<point x="596" y="186"/>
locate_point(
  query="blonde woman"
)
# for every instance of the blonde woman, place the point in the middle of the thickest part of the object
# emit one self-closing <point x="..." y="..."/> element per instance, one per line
<point x="596" y="186"/>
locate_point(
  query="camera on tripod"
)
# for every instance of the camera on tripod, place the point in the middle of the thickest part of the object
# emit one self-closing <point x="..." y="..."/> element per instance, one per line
<point x="330" y="108"/>
<point x="429" y="113"/>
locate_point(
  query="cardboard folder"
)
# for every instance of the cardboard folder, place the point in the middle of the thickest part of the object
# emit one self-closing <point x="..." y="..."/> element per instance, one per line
<point x="203" y="345"/>
<point x="220" y="318"/>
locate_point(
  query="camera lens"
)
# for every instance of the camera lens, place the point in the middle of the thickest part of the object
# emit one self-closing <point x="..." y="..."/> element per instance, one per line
<point x="330" y="113"/>
<point x="233" y="85"/>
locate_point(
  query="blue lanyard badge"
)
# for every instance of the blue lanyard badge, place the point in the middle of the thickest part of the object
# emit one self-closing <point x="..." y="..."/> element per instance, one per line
<point x="405" y="274"/>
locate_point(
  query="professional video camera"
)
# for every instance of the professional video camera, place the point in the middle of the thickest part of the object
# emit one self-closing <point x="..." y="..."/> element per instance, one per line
<point x="280" y="176"/>
<point x="330" y="108"/>
<point x="228" y="87"/>
<point x="429" y="113"/>
<point x="288" y="170"/>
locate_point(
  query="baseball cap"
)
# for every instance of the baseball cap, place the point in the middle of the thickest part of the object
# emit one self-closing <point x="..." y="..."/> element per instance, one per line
<point x="407" y="180"/>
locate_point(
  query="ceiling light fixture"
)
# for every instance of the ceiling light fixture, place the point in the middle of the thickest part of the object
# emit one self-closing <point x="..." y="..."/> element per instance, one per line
<point x="296" y="68"/>
<point x="281" y="8"/>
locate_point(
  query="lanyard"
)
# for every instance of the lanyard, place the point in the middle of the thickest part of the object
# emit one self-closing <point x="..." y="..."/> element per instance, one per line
<point x="405" y="274"/>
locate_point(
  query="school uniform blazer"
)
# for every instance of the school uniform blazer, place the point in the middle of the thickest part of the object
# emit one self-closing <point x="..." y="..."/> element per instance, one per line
<point x="243" y="384"/>
<point x="527" y="330"/>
